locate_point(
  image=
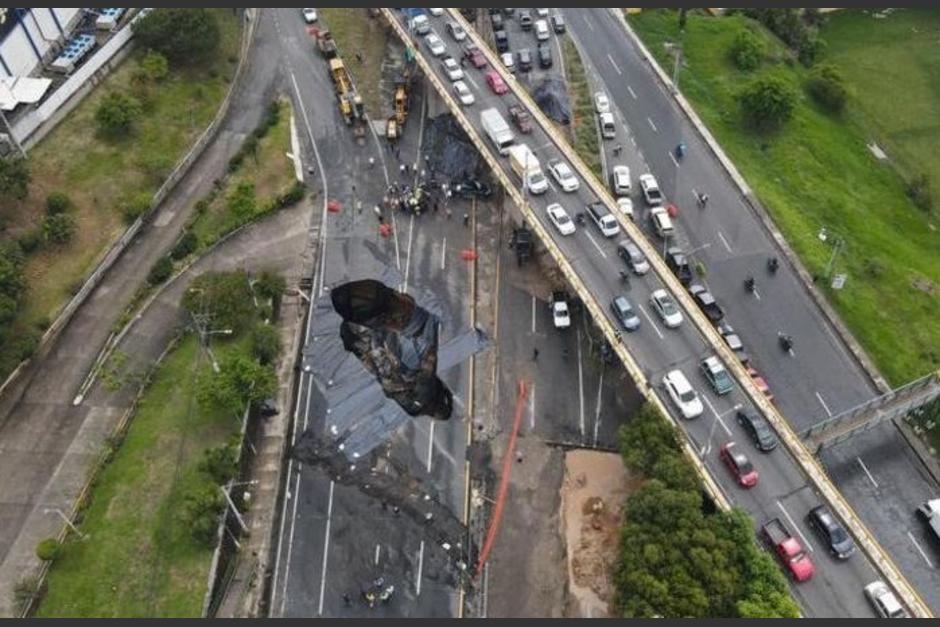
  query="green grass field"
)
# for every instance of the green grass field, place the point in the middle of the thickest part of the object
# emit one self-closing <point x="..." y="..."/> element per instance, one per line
<point x="139" y="558"/>
<point x="103" y="176"/>
<point x="269" y="170"/>
<point x="817" y="172"/>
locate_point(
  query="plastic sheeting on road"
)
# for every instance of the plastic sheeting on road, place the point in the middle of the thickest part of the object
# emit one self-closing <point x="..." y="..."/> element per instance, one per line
<point x="450" y="151"/>
<point x="551" y="95"/>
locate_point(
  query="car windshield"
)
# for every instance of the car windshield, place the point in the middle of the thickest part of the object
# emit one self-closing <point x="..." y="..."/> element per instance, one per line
<point x="562" y="218"/>
<point x="721" y="376"/>
<point x="668" y="307"/>
<point x="688" y="396"/>
<point x="838" y="535"/>
<point x="743" y="464"/>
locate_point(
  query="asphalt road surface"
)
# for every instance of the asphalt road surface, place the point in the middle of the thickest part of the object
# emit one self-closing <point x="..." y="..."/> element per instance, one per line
<point x="877" y="472"/>
<point x="783" y="490"/>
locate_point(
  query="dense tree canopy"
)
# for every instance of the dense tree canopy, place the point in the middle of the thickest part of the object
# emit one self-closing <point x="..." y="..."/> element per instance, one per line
<point x="183" y="36"/>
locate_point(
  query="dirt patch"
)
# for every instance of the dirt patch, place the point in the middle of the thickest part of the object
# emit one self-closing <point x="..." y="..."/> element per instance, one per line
<point x="925" y="285"/>
<point x="593" y="495"/>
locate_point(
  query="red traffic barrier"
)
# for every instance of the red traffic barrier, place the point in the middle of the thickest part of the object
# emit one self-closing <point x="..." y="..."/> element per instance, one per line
<point x="672" y="210"/>
<point x="468" y="254"/>
<point x="333" y="206"/>
<point x="385" y="230"/>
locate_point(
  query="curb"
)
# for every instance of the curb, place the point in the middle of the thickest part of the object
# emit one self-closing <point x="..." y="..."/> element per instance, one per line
<point x="832" y="317"/>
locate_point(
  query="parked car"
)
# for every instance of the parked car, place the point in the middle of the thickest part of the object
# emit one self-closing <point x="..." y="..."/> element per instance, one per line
<point x="666" y="308"/>
<point x="706" y="302"/>
<point x="509" y="61"/>
<point x="679" y="264"/>
<point x="525" y="19"/>
<point x="758" y="429"/>
<point x="563" y="175"/>
<point x="601" y="102"/>
<point x="456" y="31"/>
<point x="633" y="256"/>
<point x="683" y="394"/>
<point x="435" y="45"/>
<point x="436" y="12"/>
<point x="496" y="83"/>
<point x="474" y="55"/>
<point x="624" y="313"/>
<point x="545" y="55"/>
<point x="761" y="383"/>
<point x="520" y="117"/>
<point x="608" y="128"/>
<point x="560" y="219"/>
<point x="828" y="527"/>
<point x="452" y="69"/>
<point x="884" y="601"/>
<point x="541" y="12"/>
<point x="502" y="41"/>
<point x="497" y="21"/>
<point x="650" y="189"/>
<point x="717" y="375"/>
<point x="310" y="15"/>
<point x="733" y="341"/>
<point x="620" y="180"/>
<point x="558" y="23"/>
<point x="525" y="60"/>
<point x="463" y="93"/>
<point x="739" y="465"/>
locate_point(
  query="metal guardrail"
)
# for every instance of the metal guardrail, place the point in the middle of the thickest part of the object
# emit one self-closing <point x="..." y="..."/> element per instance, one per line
<point x="643" y="385"/>
<point x="810" y="466"/>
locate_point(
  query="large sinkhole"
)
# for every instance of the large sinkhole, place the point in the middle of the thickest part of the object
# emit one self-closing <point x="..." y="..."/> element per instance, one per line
<point x="397" y="341"/>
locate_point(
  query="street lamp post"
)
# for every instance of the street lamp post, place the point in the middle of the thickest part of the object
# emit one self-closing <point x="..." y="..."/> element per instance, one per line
<point x="61" y="514"/>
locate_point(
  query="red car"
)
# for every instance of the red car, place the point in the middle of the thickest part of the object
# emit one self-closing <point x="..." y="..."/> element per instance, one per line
<point x="739" y="465"/>
<point x="475" y="56"/>
<point x="496" y="83"/>
<point x="761" y="383"/>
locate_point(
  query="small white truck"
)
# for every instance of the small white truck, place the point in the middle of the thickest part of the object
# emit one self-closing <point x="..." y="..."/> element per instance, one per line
<point x="497" y="129"/>
<point x="560" y="314"/>
<point x="527" y="167"/>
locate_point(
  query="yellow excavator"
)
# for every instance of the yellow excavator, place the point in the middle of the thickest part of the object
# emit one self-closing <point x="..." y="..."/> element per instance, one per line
<point x="350" y="102"/>
<point x="396" y="122"/>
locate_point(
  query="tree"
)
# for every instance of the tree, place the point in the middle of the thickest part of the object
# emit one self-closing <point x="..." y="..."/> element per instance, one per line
<point x="265" y="343"/>
<point x="200" y="512"/>
<point x="746" y="50"/>
<point x="184" y="36"/>
<point x="154" y="66"/>
<point x="12" y="283"/>
<point x="186" y="245"/>
<point x="239" y="382"/>
<point x="116" y="113"/>
<point x="767" y="102"/>
<point x="242" y="202"/>
<point x="58" y="228"/>
<point x="220" y="463"/>
<point x="827" y="87"/>
<point x="224" y="298"/>
<point x="58" y="202"/>
<point x="14" y="178"/>
<point x="270" y="285"/>
<point x="160" y="271"/>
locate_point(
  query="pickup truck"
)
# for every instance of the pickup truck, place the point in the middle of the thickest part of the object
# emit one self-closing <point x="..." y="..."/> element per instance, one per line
<point x="929" y="512"/>
<point x="560" y="314"/>
<point x="788" y="550"/>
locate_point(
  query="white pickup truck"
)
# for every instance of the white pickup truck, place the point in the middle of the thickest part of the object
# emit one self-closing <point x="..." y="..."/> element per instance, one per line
<point x="527" y="167"/>
<point x="560" y="314"/>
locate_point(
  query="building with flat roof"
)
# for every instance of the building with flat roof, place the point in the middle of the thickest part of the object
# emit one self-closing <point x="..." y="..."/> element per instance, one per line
<point x="29" y="35"/>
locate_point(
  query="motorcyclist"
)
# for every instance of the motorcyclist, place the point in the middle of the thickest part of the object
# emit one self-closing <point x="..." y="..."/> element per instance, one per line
<point x="772" y="264"/>
<point x="786" y="342"/>
<point x="749" y="284"/>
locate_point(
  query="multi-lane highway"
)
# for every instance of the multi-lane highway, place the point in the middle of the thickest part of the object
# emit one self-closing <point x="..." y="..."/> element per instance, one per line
<point x="783" y="490"/>
<point x="878" y="472"/>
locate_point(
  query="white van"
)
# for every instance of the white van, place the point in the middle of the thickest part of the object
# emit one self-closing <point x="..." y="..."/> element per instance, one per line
<point x="608" y="130"/>
<point x="541" y="30"/>
<point x="604" y="219"/>
<point x="420" y="24"/>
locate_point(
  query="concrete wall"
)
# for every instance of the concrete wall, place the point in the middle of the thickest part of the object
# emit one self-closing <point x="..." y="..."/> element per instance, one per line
<point x="29" y="34"/>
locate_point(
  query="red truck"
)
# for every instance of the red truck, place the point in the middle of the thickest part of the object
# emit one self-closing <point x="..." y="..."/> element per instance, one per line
<point x="788" y="550"/>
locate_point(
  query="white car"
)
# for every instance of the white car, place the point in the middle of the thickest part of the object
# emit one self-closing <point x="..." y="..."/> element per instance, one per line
<point x="682" y="394"/>
<point x="542" y="32"/>
<point x="563" y="175"/>
<point x="452" y="69"/>
<point x="620" y="180"/>
<point x="560" y="315"/>
<point x="662" y="223"/>
<point x="435" y="45"/>
<point x="508" y="60"/>
<point x="464" y="95"/>
<point x="651" y="189"/>
<point x="310" y="15"/>
<point x="456" y="31"/>
<point x="665" y="307"/>
<point x="436" y="12"/>
<point x="601" y="102"/>
<point x="884" y="601"/>
<point x="626" y="206"/>
<point x="561" y="219"/>
<point x="541" y="12"/>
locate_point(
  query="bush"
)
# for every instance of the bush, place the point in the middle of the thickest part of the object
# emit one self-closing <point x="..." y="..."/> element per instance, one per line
<point x="135" y="206"/>
<point x="58" y="202"/>
<point x="827" y="87"/>
<point x="767" y="102"/>
<point x="184" y="36"/>
<point x="14" y="178"/>
<point x="200" y="512"/>
<point x="48" y="550"/>
<point x="225" y="297"/>
<point x="59" y="228"/>
<point x="270" y="285"/>
<point x="25" y="344"/>
<point x="746" y="51"/>
<point x="161" y="271"/>
<point x="240" y="381"/>
<point x="220" y="463"/>
<point x="265" y="343"/>
<point x="918" y="190"/>
<point x="30" y="241"/>
<point x="185" y="246"/>
<point x="117" y="113"/>
<point x="294" y="195"/>
<point x="154" y="66"/>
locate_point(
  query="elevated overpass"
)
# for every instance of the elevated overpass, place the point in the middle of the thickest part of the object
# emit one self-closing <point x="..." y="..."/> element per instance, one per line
<point x="589" y="263"/>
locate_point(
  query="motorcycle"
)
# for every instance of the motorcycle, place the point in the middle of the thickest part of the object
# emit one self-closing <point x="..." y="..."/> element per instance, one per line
<point x="749" y="284"/>
<point x="786" y="342"/>
<point x="680" y="151"/>
<point x="625" y="278"/>
<point x="579" y="218"/>
<point x="772" y="265"/>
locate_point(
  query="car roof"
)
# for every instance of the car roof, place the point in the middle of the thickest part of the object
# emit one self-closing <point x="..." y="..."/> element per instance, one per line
<point x="678" y="379"/>
<point x="712" y="363"/>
